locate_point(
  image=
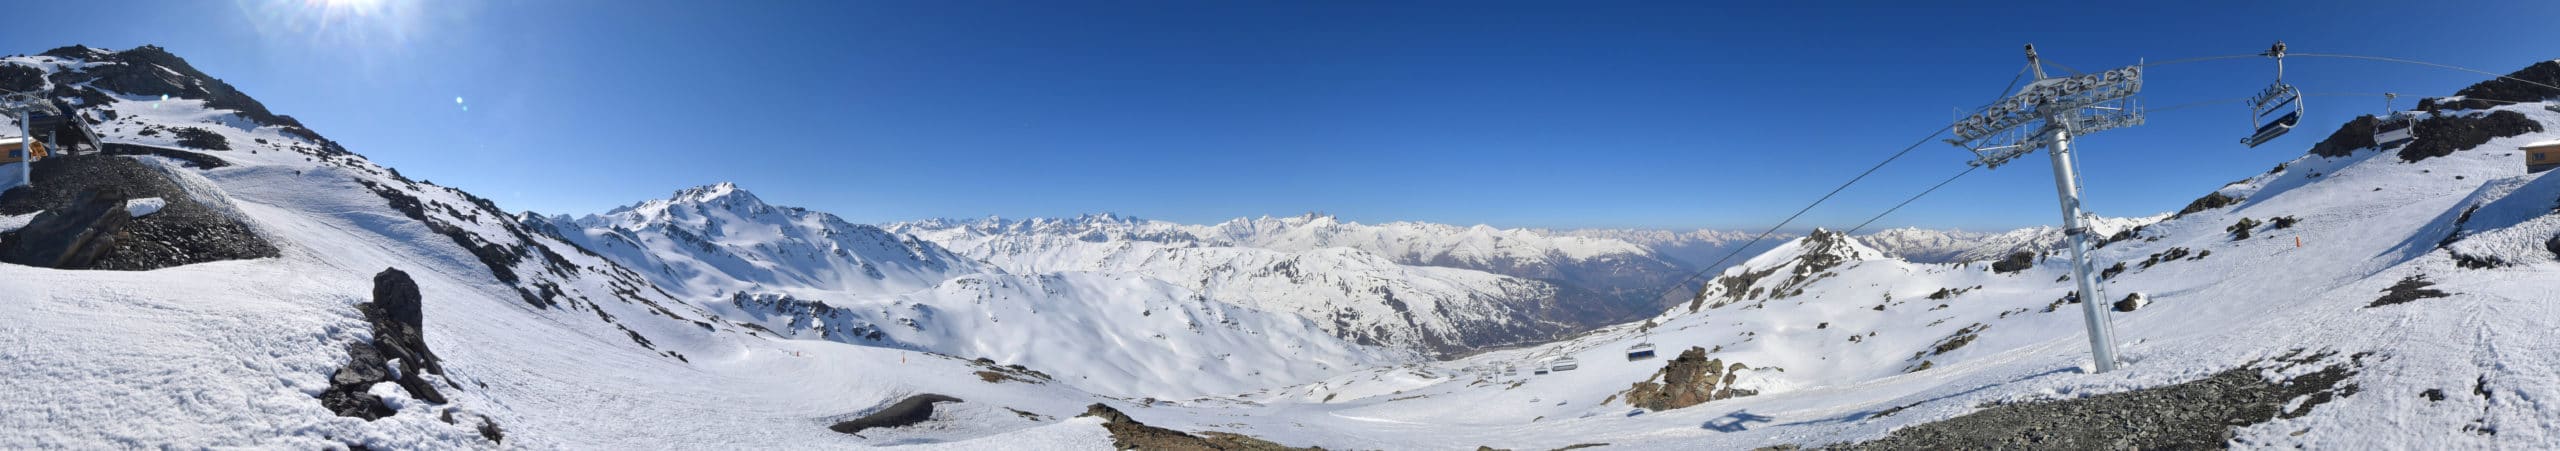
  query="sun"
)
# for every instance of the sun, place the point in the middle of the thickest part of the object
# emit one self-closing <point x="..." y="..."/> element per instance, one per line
<point x="365" y="24"/>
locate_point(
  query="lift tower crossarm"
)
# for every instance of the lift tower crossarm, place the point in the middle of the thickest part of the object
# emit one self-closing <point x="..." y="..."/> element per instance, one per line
<point x="2045" y="116"/>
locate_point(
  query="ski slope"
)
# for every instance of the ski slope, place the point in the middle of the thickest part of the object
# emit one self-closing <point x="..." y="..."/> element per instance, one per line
<point x="756" y="333"/>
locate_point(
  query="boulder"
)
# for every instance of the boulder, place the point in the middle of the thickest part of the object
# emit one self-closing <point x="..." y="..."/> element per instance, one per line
<point x="1688" y="380"/>
<point x="70" y="238"/>
<point x="2017" y="261"/>
<point x="398" y="334"/>
<point x="2132" y="302"/>
<point x="914" y="409"/>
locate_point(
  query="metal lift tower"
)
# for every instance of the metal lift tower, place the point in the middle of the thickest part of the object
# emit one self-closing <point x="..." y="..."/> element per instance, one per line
<point x="20" y="104"/>
<point x="2046" y="115"/>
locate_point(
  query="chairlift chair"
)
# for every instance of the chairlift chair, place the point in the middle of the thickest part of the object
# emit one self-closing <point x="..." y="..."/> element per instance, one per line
<point x="1567" y="364"/>
<point x="2275" y="110"/>
<point x="1541" y="371"/>
<point x="2395" y="129"/>
<point x="1640" y="351"/>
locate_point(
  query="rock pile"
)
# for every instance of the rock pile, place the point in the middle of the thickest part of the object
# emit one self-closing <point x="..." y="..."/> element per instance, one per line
<point x="1689" y="380"/>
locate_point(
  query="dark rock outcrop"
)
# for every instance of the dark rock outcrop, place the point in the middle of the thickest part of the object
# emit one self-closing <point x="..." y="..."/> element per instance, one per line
<point x="2443" y="135"/>
<point x="2201" y="414"/>
<point x="183" y="231"/>
<point x="914" y="409"/>
<point x="16" y="78"/>
<point x="140" y="74"/>
<point x="1128" y="433"/>
<point x="198" y="138"/>
<point x="2411" y="288"/>
<point x="2356" y="134"/>
<point x="2208" y="202"/>
<point x="2017" y="261"/>
<point x="2531" y="84"/>
<point x="398" y="322"/>
<point x="1688" y="380"/>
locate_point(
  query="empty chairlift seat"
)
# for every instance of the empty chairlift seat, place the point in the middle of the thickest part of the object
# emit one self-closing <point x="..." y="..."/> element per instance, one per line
<point x="1639" y="352"/>
<point x="1567" y="364"/>
<point x="2275" y="111"/>
<point x="2395" y="129"/>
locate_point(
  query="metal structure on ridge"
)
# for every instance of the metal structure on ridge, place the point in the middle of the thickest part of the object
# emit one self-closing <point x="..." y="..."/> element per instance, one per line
<point x="2045" y="115"/>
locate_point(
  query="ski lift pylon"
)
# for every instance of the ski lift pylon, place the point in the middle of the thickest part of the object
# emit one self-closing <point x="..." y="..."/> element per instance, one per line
<point x="2275" y="110"/>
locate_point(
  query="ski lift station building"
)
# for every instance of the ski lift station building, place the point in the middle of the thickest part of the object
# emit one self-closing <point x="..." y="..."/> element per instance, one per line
<point x="12" y="155"/>
<point x="2541" y="156"/>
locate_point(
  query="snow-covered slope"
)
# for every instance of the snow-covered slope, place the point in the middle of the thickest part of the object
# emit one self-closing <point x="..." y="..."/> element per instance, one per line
<point x="2408" y="288"/>
<point x="2419" y="284"/>
<point x="1356" y="294"/>
<point x="806" y="274"/>
<point x="553" y="345"/>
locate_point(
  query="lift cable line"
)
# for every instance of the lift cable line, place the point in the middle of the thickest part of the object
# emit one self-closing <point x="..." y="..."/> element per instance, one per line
<point x="2098" y="102"/>
<point x="2423" y="63"/>
<point x="1914" y="197"/>
<point x="1728" y="256"/>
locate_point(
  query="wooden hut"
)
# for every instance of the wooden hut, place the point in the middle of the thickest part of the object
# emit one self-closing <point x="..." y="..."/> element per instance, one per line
<point x="2541" y="156"/>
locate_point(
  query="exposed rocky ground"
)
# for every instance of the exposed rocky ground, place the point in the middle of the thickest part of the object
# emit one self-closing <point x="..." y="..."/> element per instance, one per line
<point x="2443" y="135"/>
<point x="2524" y="85"/>
<point x="2194" y="415"/>
<point x="1128" y="433"/>
<point x="183" y="231"/>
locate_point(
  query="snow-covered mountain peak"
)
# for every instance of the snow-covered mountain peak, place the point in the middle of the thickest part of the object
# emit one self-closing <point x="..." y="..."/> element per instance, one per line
<point x="713" y="239"/>
<point x="1821" y="248"/>
<point x="717" y="192"/>
<point x="693" y="205"/>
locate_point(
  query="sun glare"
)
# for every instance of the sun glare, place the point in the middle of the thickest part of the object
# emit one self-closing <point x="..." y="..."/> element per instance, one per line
<point x="368" y="24"/>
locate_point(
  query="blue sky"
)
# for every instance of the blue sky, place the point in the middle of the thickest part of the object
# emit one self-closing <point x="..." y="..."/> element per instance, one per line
<point x="1537" y="114"/>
